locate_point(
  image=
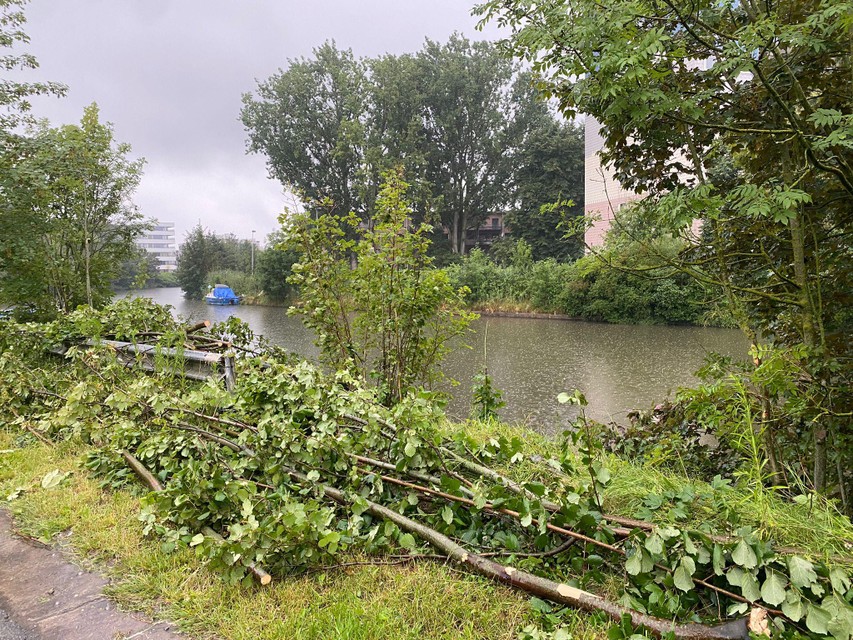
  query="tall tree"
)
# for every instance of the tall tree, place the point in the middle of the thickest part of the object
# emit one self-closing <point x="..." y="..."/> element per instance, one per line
<point x="67" y="218"/>
<point x="198" y="255"/>
<point x="309" y="121"/>
<point x="549" y="191"/>
<point x="738" y="114"/>
<point x="477" y="112"/>
<point x="455" y="116"/>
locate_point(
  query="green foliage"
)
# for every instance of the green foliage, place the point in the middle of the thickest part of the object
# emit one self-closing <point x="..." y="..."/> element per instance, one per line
<point x="487" y="399"/>
<point x="452" y="114"/>
<point x="245" y="284"/>
<point x="253" y="466"/>
<point x="203" y="253"/>
<point x="14" y="95"/>
<point x="387" y="318"/>
<point x="195" y="261"/>
<point x="738" y="117"/>
<point x="550" y="191"/>
<point x="591" y="288"/>
<point x="274" y="266"/>
<point x="66" y="223"/>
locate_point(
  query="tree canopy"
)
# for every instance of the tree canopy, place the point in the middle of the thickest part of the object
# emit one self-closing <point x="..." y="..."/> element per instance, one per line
<point x="66" y="217"/>
<point x="456" y="116"/>
<point x="14" y="95"/>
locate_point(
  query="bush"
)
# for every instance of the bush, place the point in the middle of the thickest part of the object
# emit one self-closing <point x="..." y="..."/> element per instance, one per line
<point x="588" y="289"/>
<point x="243" y="284"/>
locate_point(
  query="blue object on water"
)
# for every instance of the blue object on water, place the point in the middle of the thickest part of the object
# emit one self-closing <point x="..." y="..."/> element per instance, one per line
<point x="222" y="294"/>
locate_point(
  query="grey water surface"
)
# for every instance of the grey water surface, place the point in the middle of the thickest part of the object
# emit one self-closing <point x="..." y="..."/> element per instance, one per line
<point x="617" y="367"/>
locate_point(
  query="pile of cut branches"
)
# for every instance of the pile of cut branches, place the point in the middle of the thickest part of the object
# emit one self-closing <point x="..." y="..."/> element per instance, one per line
<point x="296" y="468"/>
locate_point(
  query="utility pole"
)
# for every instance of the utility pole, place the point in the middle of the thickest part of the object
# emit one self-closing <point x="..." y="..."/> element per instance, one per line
<point x="253" y="252"/>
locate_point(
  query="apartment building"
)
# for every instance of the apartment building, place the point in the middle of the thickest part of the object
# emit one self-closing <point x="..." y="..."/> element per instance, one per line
<point x="603" y="195"/>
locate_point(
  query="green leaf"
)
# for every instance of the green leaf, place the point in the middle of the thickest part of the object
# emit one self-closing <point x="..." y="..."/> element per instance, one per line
<point x="407" y="541"/>
<point x="744" y="555"/>
<point x="801" y="571"/>
<point x="773" y="589"/>
<point x="793" y="606"/>
<point x="332" y="537"/>
<point x="817" y="619"/>
<point x="682" y="578"/>
<point x="839" y="579"/>
<point x="411" y="449"/>
<point x="197" y="540"/>
<point x="719" y="560"/>
<point x="749" y="587"/>
<point x="53" y="479"/>
<point x="447" y="514"/>
<point x="634" y="565"/>
<point x="654" y="544"/>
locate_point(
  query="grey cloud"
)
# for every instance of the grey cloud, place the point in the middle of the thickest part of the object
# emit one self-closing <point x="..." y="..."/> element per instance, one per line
<point x="170" y="73"/>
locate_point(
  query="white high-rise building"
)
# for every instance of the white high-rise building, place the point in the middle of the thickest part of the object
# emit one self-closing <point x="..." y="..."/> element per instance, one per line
<point x="159" y="242"/>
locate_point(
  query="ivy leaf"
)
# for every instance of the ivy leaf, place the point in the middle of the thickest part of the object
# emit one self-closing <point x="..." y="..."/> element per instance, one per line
<point x="744" y="555"/>
<point x="801" y="571"/>
<point x="773" y="589"/>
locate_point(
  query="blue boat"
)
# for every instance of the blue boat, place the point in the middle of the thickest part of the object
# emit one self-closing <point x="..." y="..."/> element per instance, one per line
<point x="222" y="294"/>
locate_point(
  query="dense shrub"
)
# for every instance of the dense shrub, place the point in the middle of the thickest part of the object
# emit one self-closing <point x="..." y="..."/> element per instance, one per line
<point x="589" y="289"/>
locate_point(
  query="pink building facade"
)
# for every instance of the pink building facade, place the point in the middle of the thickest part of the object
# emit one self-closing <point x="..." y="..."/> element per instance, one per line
<point x="603" y="195"/>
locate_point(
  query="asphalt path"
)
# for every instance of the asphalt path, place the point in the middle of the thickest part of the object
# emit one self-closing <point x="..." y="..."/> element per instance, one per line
<point x="10" y="631"/>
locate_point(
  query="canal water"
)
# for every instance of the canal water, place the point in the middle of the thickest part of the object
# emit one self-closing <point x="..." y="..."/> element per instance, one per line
<point x="617" y="367"/>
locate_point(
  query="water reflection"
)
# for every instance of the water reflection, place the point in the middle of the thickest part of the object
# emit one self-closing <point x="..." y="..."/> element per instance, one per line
<point x="617" y="367"/>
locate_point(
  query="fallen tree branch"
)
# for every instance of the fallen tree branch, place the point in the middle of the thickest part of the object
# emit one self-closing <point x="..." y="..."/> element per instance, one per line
<point x="560" y="593"/>
<point x="155" y="485"/>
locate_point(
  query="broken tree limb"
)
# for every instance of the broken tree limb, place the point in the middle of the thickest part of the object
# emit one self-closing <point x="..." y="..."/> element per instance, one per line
<point x="568" y="533"/>
<point x="560" y="593"/>
<point x="198" y="326"/>
<point x="140" y="470"/>
<point x="155" y="485"/>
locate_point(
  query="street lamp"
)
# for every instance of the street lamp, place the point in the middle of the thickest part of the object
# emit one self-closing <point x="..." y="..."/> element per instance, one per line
<point x="253" y="252"/>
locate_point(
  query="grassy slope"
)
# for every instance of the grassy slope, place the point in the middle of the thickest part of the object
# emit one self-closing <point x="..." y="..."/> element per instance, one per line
<point x="423" y="601"/>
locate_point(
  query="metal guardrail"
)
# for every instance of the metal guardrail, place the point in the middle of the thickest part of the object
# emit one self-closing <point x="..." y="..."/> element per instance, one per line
<point x="196" y="365"/>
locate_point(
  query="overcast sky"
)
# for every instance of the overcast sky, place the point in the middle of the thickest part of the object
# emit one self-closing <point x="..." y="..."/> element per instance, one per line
<point x="169" y="75"/>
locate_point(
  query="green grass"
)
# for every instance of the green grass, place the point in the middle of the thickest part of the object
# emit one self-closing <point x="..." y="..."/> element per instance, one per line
<point x="101" y="530"/>
<point x="813" y="525"/>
